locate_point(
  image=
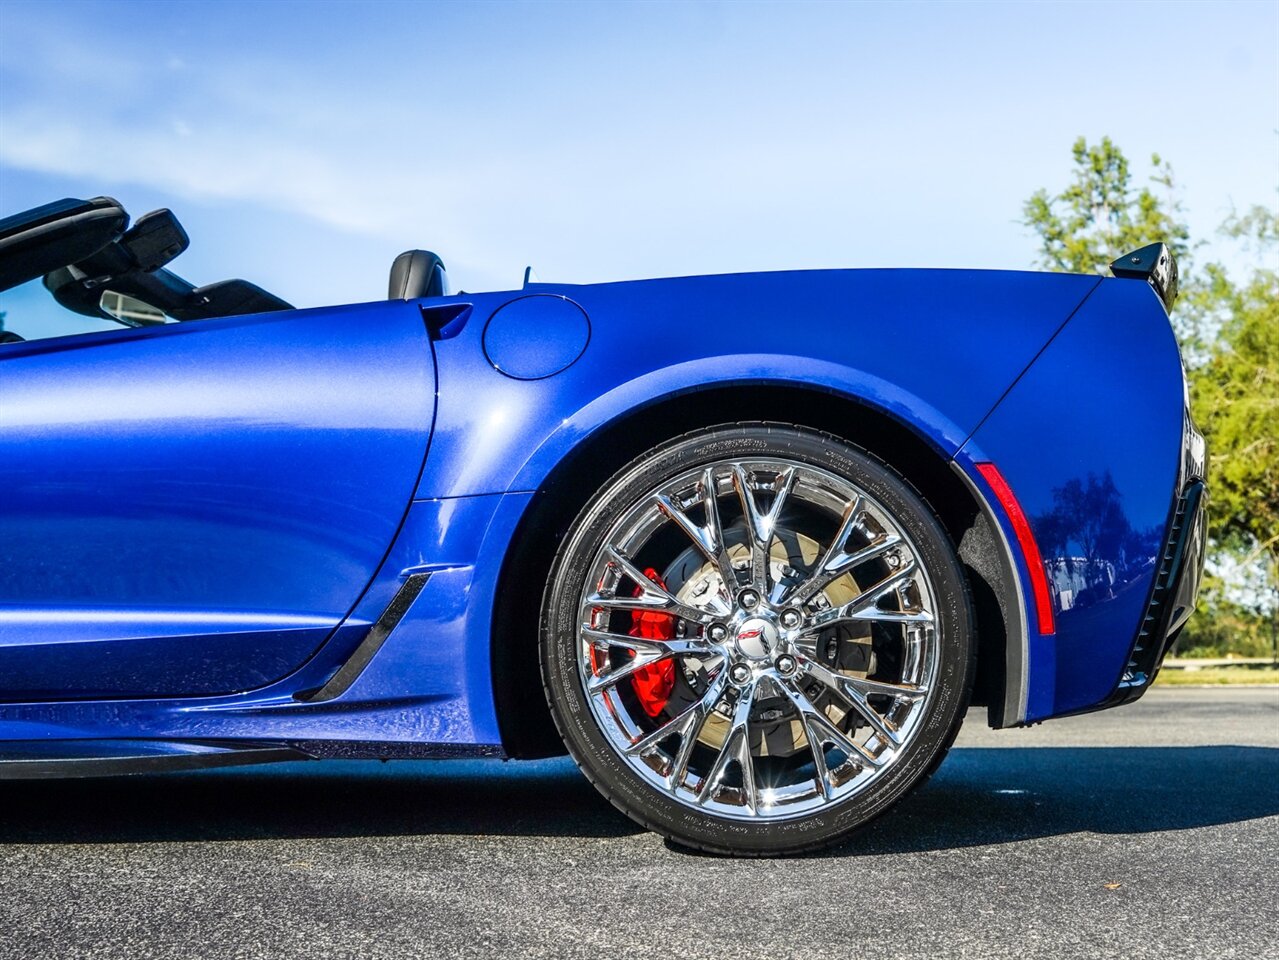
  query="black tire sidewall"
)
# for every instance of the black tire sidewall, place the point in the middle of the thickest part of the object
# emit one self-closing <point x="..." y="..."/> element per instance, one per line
<point x="659" y="811"/>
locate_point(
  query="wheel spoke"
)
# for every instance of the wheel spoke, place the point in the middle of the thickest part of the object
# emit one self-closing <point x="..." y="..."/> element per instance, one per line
<point x="815" y="746"/>
<point x="880" y="688"/>
<point x="715" y="525"/>
<point x="693" y="716"/>
<point x="742" y="754"/>
<point x="801" y="592"/>
<point x="647" y="653"/>
<point x="718" y="532"/>
<point x="847" y="690"/>
<point x="653" y="596"/>
<point x="819" y="729"/>
<point x="836" y="561"/>
<point x="892" y="616"/>
<point x="678" y="647"/>
<point x="679" y="765"/>
<point x="708" y="538"/>
<point x="737" y="746"/>
<point x="689" y="726"/>
<point x="761" y="524"/>
<point x="864" y="605"/>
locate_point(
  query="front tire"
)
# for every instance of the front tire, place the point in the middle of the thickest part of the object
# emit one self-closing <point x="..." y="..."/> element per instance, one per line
<point x="756" y="638"/>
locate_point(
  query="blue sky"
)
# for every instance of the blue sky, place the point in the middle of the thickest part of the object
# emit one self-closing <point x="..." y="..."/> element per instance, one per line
<point x="305" y="144"/>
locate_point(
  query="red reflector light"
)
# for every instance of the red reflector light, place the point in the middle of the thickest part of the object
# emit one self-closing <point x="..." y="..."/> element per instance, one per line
<point x="1026" y="539"/>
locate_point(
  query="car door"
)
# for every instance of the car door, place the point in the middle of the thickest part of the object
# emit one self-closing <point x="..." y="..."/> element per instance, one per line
<point x="191" y="509"/>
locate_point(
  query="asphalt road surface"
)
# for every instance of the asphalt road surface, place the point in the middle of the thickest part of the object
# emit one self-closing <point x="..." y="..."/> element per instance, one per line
<point x="1149" y="831"/>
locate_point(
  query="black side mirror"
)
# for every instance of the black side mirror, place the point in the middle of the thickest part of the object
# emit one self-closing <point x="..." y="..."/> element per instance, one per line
<point x="154" y="239"/>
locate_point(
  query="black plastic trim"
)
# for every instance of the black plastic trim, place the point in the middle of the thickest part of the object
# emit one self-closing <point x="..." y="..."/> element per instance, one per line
<point x="67" y="759"/>
<point x="347" y="674"/>
<point x="1171" y="597"/>
<point x="445" y="320"/>
<point x="377" y="750"/>
<point x="1156" y="265"/>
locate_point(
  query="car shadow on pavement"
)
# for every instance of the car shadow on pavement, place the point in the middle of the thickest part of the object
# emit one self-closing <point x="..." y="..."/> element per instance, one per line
<point x="999" y="795"/>
<point x="979" y="796"/>
<point x="332" y="798"/>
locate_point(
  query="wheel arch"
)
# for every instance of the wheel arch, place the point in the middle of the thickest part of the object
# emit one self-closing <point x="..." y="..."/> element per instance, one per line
<point x="523" y="716"/>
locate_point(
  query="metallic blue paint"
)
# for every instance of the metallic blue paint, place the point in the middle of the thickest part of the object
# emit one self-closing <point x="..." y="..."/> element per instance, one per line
<point x="193" y="508"/>
<point x="429" y="684"/>
<point x="563" y="331"/>
<point x="1090" y="439"/>
<point x="934" y="348"/>
<point x="207" y="517"/>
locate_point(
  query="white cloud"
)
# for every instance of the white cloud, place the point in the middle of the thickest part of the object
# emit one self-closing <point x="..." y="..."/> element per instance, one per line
<point x="602" y="157"/>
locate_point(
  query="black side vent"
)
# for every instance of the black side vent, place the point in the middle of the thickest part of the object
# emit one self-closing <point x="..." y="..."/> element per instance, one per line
<point x="1164" y="615"/>
<point x="346" y="674"/>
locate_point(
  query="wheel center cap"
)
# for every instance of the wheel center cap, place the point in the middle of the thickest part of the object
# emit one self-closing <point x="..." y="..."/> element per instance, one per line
<point x="757" y="638"/>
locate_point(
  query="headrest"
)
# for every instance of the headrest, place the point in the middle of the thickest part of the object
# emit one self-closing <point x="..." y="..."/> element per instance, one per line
<point x="416" y="274"/>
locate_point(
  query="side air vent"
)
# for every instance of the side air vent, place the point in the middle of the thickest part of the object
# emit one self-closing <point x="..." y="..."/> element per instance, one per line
<point x="1165" y="613"/>
<point x="347" y="674"/>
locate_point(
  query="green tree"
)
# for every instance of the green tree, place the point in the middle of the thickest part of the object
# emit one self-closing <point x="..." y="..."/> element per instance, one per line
<point x="1100" y="215"/>
<point x="1229" y="331"/>
<point x="1235" y="395"/>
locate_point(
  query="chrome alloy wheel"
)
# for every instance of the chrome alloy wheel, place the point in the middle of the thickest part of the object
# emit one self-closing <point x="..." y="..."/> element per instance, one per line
<point x="800" y="623"/>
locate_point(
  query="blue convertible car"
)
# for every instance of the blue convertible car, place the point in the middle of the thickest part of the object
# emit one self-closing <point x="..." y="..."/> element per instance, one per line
<point x="747" y="547"/>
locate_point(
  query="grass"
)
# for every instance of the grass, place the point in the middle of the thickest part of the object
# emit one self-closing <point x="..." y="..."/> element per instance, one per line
<point x="1218" y="675"/>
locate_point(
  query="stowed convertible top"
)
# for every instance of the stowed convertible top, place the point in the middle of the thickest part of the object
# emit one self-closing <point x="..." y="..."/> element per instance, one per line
<point x="85" y="248"/>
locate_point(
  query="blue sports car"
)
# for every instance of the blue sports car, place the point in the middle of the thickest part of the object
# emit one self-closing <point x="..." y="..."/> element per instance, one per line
<point x="746" y="546"/>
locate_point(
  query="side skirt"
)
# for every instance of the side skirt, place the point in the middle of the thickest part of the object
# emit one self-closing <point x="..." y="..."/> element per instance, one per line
<point x="74" y="759"/>
<point x="61" y="759"/>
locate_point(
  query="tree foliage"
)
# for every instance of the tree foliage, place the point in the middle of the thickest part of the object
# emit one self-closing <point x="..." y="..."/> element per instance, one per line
<point x="1229" y="331"/>
<point x="1235" y="394"/>
<point x="1100" y="215"/>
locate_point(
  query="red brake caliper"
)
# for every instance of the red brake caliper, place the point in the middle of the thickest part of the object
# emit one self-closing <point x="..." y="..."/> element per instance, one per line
<point x="653" y="684"/>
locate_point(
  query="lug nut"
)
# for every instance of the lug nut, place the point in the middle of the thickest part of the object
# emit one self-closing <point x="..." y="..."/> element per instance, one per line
<point x="790" y="619"/>
<point x="785" y="664"/>
<point x="739" y="673"/>
<point x="749" y="599"/>
<point x="717" y="632"/>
